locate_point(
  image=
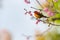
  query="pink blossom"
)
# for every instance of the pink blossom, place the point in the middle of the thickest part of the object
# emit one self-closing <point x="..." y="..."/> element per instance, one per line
<point x="30" y="13"/>
<point x="26" y="1"/>
<point x="50" y="13"/>
<point x="46" y="9"/>
<point x="37" y="21"/>
<point x="26" y="13"/>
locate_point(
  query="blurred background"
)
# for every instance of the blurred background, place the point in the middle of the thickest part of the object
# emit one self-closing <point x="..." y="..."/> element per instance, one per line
<point x="13" y="19"/>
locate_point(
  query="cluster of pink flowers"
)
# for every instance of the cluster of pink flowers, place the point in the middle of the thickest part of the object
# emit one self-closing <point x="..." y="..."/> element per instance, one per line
<point x="48" y="12"/>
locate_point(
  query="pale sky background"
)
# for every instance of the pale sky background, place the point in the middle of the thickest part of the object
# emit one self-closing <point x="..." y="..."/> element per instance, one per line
<point x="12" y="18"/>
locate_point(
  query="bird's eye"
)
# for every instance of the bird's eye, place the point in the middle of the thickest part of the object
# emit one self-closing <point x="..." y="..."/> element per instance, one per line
<point x="36" y="12"/>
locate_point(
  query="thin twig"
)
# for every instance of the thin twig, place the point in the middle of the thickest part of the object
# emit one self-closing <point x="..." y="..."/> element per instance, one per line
<point x="36" y="8"/>
<point x="39" y="3"/>
<point x="25" y="9"/>
<point x="27" y="37"/>
<point x="47" y="30"/>
<point x="50" y="23"/>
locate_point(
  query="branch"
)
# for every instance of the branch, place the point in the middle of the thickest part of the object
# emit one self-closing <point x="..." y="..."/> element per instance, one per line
<point x="49" y="23"/>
